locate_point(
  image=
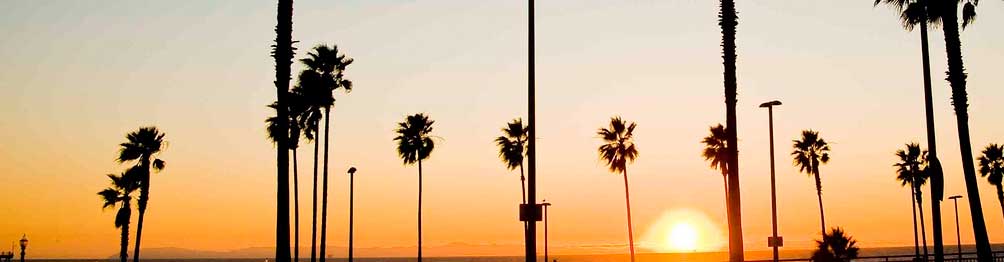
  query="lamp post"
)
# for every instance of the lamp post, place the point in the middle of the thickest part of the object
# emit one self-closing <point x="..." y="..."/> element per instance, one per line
<point x="958" y="239"/>
<point x="24" y="245"/>
<point x="352" y="176"/>
<point x="774" y="241"/>
<point x="545" y="204"/>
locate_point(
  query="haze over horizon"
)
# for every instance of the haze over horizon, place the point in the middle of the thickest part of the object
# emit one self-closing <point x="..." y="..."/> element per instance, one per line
<point x="75" y="77"/>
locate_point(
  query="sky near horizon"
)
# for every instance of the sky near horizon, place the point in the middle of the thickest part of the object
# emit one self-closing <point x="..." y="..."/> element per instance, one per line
<point x="76" y="76"/>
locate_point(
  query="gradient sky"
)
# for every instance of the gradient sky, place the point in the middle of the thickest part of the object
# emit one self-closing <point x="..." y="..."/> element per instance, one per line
<point x="75" y="76"/>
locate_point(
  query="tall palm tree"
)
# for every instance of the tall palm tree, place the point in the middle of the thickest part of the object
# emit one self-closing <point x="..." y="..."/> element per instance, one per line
<point x="415" y="144"/>
<point x="946" y="13"/>
<point x="296" y="108"/>
<point x="120" y="193"/>
<point x="911" y="167"/>
<point x="992" y="167"/>
<point x="836" y="246"/>
<point x="808" y="154"/>
<point x="618" y="149"/>
<point x="512" y="149"/>
<point x="728" y="19"/>
<point x="282" y="52"/>
<point x="913" y="14"/>
<point x="142" y="147"/>
<point x="329" y="66"/>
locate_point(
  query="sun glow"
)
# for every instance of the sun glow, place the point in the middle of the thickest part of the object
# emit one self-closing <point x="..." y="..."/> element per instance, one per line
<point x="683" y="230"/>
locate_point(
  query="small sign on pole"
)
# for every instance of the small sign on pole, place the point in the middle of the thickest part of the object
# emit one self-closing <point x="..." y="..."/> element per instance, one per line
<point x="529" y="212"/>
<point x="778" y="242"/>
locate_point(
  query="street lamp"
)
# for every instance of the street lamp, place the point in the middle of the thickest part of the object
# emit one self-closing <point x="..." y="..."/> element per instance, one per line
<point x="774" y="241"/>
<point x="545" y="204"/>
<point x="352" y="176"/>
<point x="958" y="244"/>
<point x="24" y="245"/>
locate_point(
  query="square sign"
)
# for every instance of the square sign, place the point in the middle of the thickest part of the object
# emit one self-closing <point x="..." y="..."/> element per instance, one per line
<point x="778" y="242"/>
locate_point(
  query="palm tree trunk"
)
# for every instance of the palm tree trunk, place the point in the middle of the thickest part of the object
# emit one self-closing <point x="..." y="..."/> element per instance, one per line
<point x="937" y="180"/>
<point x="296" y="210"/>
<point x="923" y="226"/>
<point x="627" y="200"/>
<point x="313" y="217"/>
<point x="124" y="245"/>
<point x="957" y="79"/>
<point x="819" y="196"/>
<point x="420" y="210"/>
<point x="324" y="194"/>
<point x="144" y="196"/>
<point x="522" y="184"/>
<point x="1000" y="196"/>
<point x="283" y="61"/>
<point x="916" y="238"/>
<point x="728" y="20"/>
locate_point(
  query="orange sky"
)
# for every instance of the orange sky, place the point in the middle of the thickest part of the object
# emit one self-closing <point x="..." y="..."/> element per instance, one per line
<point x="75" y="77"/>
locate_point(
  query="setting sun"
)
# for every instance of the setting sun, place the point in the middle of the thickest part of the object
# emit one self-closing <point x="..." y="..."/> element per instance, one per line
<point x="682" y="237"/>
<point x="684" y="230"/>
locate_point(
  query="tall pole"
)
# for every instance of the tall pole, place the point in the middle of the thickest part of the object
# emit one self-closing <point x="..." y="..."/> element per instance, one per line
<point x="958" y="233"/>
<point x="773" y="193"/>
<point x="531" y="229"/>
<point x="352" y="185"/>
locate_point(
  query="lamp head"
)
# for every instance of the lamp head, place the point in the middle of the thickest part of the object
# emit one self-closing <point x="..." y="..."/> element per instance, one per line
<point x="771" y="103"/>
<point x="352" y="170"/>
<point x="24" y="241"/>
<point x="955" y="197"/>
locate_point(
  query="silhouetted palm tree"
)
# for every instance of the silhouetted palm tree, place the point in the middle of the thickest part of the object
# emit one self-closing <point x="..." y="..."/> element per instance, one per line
<point x="728" y="19"/>
<point x="313" y="95"/>
<point x="120" y="193"/>
<point x="910" y="167"/>
<point x="512" y="148"/>
<point x="143" y="146"/>
<point x="914" y="13"/>
<point x="906" y="179"/>
<point x="329" y="66"/>
<point x="946" y="13"/>
<point x="836" y="246"/>
<point x="415" y="144"/>
<point x="992" y="167"/>
<point x="296" y="108"/>
<point x="617" y="151"/>
<point x="808" y="154"/>
<point x="716" y="153"/>
<point x="282" y="51"/>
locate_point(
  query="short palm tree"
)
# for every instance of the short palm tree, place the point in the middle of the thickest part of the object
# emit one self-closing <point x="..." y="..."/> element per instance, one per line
<point x="836" y="246"/>
<point x="512" y="149"/>
<point x="911" y="170"/>
<point x="992" y="167"/>
<point x="808" y="154"/>
<point x="120" y="193"/>
<point x="414" y="144"/>
<point x="329" y="67"/>
<point x="618" y="149"/>
<point x="142" y="147"/>
<point x="716" y="153"/>
<point x="296" y="108"/>
<point x="312" y="95"/>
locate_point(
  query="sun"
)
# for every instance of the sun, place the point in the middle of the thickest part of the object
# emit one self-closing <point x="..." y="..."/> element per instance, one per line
<point x="682" y="237"/>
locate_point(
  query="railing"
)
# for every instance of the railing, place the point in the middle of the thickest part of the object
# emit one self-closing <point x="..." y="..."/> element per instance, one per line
<point x="953" y="257"/>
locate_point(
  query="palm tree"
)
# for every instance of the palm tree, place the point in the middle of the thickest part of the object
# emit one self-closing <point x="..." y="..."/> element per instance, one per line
<point x="906" y="179"/>
<point x="914" y="13"/>
<point x="296" y="108"/>
<point x="282" y="51"/>
<point x="142" y="147"/>
<point x="946" y="13"/>
<point x="329" y="66"/>
<point x="836" y="246"/>
<point x="992" y="167"/>
<point x="414" y="144"/>
<point x="716" y="153"/>
<point x="808" y="154"/>
<point x="312" y="95"/>
<point x="512" y="148"/>
<point x="120" y="193"/>
<point x="911" y="170"/>
<point x="728" y="19"/>
<point x="618" y="149"/>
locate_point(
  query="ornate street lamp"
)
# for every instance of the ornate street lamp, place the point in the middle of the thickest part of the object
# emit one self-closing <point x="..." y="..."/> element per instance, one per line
<point x="24" y="245"/>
